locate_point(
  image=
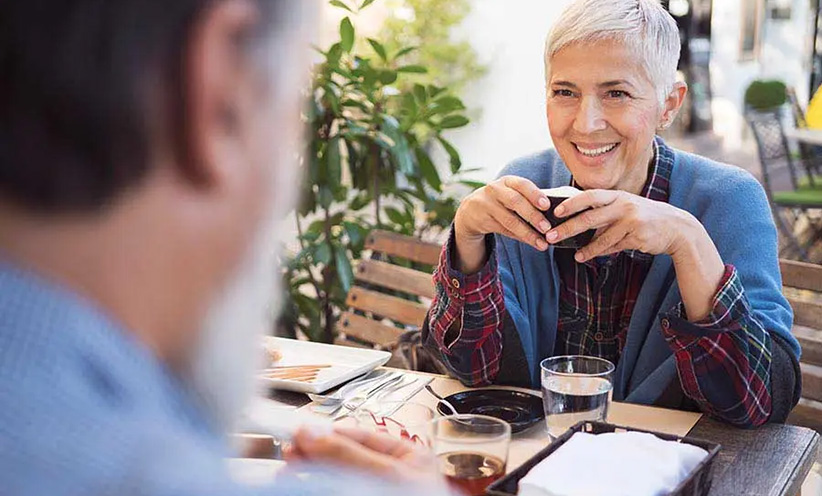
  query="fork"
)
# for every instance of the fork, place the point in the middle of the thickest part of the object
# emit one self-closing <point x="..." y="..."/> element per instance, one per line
<point x="354" y="402"/>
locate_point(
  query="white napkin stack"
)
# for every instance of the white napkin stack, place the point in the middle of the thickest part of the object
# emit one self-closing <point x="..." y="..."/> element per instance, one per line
<point x="612" y="464"/>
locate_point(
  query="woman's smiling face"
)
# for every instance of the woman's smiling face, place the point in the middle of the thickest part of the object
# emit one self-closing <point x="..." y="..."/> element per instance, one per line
<point x="603" y="112"/>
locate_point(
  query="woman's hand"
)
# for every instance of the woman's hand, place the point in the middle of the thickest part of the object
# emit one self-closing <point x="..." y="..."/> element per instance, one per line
<point x="511" y="206"/>
<point x="629" y="222"/>
<point x="623" y="221"/>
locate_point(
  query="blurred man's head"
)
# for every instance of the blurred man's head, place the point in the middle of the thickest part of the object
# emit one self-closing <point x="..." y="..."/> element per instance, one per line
<point x="145" y="153"/>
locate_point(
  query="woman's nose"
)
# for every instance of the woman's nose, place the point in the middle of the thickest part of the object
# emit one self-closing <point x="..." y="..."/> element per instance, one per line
<point x="589" y="117"/>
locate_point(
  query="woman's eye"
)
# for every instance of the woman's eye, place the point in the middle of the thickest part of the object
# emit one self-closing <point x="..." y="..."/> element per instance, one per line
<point x="563" y="93"/>
<point x="619" y="94"/>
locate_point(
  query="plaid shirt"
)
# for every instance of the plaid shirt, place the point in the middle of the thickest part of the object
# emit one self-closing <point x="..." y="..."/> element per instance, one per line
<point x="723" y="360"/>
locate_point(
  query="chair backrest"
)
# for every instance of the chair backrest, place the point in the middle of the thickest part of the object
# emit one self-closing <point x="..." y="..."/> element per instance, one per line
<point x="803" y="288"/>
<point x="771" y="143"/>
<point x="796" y="108"/>
<point x="393" y="290"/>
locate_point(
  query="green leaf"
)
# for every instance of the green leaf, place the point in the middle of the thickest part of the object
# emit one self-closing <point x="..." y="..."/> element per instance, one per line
<point x="338" y="3"/>
<point x="366" y="3"/>
<point x="356" y="233"/>
<point x="377" y="46"/>
<point x="334" y="163"/>
<point x="416" y="69"/>
<point x="448" y="104"/>
<point x="428" y="169"/>
<point x="346" y="34"/>
<point x="400" y="150"/>
<point x="395" y="216"/>
<point x="453" y="121"/>
<point x="405" y="51"/>
<point x="344" y="267"/>
<point x="420" y="94"/>
<point x="472" y="184"/>
<point x="453" y="154"/>
<point x="316" y="227"/>
<point x="334" y="54"/>
<point x="360" y="201"/>
<point x="322" y="255"/>
<point x="325" y="196"/>
<point x="388" y="76"/>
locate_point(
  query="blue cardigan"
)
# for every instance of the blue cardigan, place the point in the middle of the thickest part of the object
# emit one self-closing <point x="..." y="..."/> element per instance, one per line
<point x="732" y="206"/>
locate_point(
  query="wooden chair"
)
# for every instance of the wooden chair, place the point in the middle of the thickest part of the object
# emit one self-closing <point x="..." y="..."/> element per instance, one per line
<point x="392" y="293"/>
<point x="803" y="288"/>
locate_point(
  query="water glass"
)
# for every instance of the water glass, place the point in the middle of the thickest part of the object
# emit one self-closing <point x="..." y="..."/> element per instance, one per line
<point x="471" y="450"/>
<point x="575" y="388"/>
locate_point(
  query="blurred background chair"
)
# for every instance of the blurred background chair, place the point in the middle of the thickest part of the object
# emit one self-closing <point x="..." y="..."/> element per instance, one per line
<point x="796" y="200"/>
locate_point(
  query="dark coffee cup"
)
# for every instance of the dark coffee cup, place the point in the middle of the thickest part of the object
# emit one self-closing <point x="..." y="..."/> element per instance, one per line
<point x="557" y="196"/>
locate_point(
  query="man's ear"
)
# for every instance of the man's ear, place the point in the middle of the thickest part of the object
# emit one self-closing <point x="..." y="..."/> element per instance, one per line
<point x="217" y="80"/>
<point x="673" y="102"/>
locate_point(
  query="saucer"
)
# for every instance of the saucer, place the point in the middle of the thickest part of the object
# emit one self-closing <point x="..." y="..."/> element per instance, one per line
<point x="520" y="410"/>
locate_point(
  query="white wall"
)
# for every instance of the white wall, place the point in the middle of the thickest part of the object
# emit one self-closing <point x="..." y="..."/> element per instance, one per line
<point x="785" y="55"/>
<point x="509" y="37"/>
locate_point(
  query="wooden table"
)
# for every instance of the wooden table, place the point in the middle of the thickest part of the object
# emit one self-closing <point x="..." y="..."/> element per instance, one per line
<point x="810" y="136"/>
<point x="770" y="460"/>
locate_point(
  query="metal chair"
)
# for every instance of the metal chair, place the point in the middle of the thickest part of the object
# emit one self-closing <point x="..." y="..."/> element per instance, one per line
<point x="809" y="154"/>
<point x="792" y="207"/>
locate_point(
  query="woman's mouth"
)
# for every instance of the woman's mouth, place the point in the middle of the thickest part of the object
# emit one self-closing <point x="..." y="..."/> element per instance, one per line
<point x="595" y="151"/>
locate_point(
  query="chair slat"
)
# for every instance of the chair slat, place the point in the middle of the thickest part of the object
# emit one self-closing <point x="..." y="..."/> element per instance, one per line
<point x="396" y="309"/>
<point x="368" y="330"/>
<point x="394" y="277"/>
<point x="811" y="381"/>
<point x="404" y="246"/>
<point x="806" y="313"/>
<point x="811" y="342"/>
<point x="801" y="275"/>
<point x="341" y="341"/>
<point x="808" y="413"/>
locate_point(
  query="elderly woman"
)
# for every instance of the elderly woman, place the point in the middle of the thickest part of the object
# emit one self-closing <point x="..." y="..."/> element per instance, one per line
<point x="680" y="287"/>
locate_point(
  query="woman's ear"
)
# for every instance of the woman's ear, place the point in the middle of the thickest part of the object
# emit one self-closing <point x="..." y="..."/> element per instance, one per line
<point x="673" y="102"/>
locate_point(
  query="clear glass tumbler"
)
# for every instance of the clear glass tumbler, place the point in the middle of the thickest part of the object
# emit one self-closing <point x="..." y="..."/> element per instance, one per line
<point x="575" y="388"/>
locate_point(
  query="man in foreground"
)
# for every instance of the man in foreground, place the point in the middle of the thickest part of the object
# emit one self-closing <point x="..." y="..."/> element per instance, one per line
<point x="145" y="155"/>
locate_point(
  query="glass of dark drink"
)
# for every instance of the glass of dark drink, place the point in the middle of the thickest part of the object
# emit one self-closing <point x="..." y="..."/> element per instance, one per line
<point x="472" y="450"/>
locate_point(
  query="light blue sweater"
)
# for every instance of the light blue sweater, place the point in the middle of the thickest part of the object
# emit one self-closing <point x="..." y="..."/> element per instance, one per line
<point x="732" y="206"/>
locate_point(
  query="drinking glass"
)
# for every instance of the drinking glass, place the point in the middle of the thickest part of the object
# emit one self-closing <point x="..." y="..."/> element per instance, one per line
<point x="471" y="450"/>
<point x="575" y="388"/>
<point x="400" y="419"/>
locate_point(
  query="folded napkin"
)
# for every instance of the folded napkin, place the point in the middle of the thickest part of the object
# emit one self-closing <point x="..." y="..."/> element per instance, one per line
<point x="612" y="464"/>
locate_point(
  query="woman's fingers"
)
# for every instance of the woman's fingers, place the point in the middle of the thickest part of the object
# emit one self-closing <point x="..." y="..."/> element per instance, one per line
<point x="596" y="218"/>
<point x="592" y="198"/>
<point x="511" y="225"/>
<point x="523" y="197"/>
<point x="608" y="241"/>
<point x="342" y="450"/>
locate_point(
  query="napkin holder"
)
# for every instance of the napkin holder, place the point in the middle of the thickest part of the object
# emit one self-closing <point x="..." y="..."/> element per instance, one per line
<point x="698" y="482"/>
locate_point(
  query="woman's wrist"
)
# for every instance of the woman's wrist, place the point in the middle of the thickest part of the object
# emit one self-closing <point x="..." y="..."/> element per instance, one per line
<point x="470" y="250"/>
<point x="699" y="268"/>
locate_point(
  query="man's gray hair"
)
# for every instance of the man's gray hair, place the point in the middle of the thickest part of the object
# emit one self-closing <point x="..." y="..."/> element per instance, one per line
<point x="642" y="25"/>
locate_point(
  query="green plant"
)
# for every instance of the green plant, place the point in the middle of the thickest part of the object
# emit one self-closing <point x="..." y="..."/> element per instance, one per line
<point x="366" y="165"/>
<point x="766" y="94"/>
<point x="428" y="24"/>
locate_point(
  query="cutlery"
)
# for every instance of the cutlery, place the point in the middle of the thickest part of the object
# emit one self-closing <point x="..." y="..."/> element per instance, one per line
<point x="353" y="403"/>
<point x="337" y="396"/>
<point x="441" y="399"/>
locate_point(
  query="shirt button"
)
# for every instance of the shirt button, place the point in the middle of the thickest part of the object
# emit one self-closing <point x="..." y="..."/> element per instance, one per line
<point x="455" y="282"/>
<point x="666" y="323"/>
<point x="599" y="336"/>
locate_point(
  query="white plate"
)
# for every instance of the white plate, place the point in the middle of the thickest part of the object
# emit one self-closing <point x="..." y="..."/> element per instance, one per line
<point x="254" y="471"/>
<point x="345" y="363"/>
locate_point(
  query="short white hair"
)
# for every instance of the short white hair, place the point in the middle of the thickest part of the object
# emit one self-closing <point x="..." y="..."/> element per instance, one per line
<point x="642" y="25"/>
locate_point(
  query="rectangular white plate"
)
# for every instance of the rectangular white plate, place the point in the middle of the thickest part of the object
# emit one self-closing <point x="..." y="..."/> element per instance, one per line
<point x="345" y="363"/>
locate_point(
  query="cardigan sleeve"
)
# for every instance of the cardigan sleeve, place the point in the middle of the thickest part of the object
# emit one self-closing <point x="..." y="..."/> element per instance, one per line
<point x="465" y="323"/>
<point x="724" y="360"/>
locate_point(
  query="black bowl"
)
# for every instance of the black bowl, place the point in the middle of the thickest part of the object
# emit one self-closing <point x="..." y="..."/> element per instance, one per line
<point x="520" y="410"/>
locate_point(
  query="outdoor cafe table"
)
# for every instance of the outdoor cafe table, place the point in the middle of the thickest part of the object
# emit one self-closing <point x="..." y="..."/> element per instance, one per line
<point x="770" y="460"/>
